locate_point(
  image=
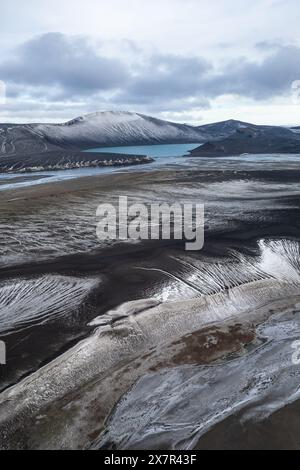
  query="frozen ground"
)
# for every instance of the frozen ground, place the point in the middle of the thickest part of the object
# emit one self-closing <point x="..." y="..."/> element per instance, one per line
<point x="217" y="323"/>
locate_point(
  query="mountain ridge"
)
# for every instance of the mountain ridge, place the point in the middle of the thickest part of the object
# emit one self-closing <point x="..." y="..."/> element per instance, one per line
<point x="253" y="140"/>
<point x="107" y="128"/>
<point x="20" y="142"/>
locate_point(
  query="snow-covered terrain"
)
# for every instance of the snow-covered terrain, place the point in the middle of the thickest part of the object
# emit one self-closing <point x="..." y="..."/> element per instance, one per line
<point x="118" y="128"/>
<point x="105" y="129"/>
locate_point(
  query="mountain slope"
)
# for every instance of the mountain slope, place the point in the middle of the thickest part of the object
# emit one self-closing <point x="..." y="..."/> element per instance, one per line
<point x="254" y="140"/>
<point x="118" y="128"/>
<point x="99" y="129"/>
<point x="224" y="128"/>
<point x="18" y="139"/>
<point x="123" y="128"/>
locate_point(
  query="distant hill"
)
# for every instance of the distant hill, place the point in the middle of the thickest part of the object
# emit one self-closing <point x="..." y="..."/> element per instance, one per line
<point x="224" y="128"/>
<point x="252" y="139"/>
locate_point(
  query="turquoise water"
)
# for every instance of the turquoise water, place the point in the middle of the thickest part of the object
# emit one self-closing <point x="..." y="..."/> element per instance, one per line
<point x="165" y="156"/>
<point x="155" y="151"/>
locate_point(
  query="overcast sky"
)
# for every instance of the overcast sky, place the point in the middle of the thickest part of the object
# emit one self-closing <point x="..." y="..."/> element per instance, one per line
<point x="194" y="61"/>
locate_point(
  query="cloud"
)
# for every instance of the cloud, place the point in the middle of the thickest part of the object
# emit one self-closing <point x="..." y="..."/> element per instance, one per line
<point x="167" y="81"/>
<point x="56" y="70"/>
<point x="169" y="78"/>
<point x="271" y="77"/>
<point x="70" y="65"/>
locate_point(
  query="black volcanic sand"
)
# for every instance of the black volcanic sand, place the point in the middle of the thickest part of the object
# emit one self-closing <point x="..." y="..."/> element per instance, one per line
<point x="116" y="265"/>
<point x="121" y="281"/>
<point x="30" y="349"/>
<point x="280" y="431"/>
<point x="20" y="179"/>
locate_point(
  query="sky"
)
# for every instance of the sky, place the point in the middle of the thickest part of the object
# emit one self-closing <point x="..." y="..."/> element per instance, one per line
<point x="189" y="61"/>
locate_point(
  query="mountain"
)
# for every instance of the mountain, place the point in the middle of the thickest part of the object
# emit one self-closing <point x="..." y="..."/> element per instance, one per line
<point x="224" y="128"/>
<point x="29" y="146"/>
<point x="107" y="129"/>
<point x="99" y="129"/>
<point x="19" y="139"/>
<point x="119" y="128"/>
<point x="254" y="140"/>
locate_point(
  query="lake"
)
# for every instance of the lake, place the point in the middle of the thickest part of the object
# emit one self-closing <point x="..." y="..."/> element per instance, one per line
<point x="163" y="154"/>
<point x="155" y="151"/>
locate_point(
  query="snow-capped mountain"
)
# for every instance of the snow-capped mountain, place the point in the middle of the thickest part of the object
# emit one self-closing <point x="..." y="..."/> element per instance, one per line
<point x="109" y="128"/>
<point x="118" y="128"/>
<point x="99" y="129"/>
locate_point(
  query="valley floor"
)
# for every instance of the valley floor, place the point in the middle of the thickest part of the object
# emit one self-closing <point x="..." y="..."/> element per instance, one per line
<point x="144" y="345"/>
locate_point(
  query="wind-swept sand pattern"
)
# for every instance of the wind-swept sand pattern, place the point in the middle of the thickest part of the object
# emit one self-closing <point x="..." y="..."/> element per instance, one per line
<point x="153" y="307"/>
<point x="140" y="327"/>
<point x="35" y="301"/>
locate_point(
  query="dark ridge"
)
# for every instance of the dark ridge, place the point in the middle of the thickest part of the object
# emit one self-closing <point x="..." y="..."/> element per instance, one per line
<point x="253" y="140"/>
<point x="63" y="159"/>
